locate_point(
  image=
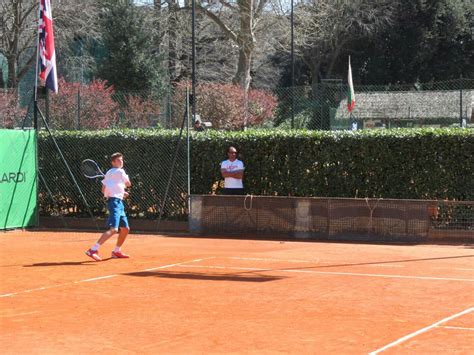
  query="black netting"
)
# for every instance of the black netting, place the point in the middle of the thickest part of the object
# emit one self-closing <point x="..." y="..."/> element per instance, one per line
<point x="336" y="218"/>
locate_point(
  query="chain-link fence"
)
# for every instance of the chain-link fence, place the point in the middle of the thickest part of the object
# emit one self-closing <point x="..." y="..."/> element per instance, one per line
<point x="87" y="122"/>
<point x="79" y="107"/>
<point x="321" y="106"/>
<point x="324" y="105"/>
<point x="156" y="163"/>
<point x="81" y="118"/>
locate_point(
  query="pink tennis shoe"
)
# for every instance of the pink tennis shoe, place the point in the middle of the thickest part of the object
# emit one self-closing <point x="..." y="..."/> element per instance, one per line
<point x="119" y="255"/>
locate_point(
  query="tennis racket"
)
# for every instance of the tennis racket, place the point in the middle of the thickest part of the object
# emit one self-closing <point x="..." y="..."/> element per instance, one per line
<point x="91" y="170"/>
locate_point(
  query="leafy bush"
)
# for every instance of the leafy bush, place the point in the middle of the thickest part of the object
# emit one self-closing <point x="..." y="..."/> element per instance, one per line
<point x="148" y="157"/>
<point x="11" y="113"/>
<point x="140" y="112"/>
<point x="95" y="103"/>
<point x="410" y="164"/>
<point x="224" y="105"/>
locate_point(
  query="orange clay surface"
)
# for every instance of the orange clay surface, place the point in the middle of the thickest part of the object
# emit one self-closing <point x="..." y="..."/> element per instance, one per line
<point x="196" y="295"/>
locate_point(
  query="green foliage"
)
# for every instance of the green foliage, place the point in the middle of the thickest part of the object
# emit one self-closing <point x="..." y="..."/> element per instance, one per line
<point x="398" y="163"/>
<point x="429" y="40"/>
<point x="425" y="40"/>
<point x="414" y="164"/>
<point x="148" y="157"/>
<point x="131" y="61"/>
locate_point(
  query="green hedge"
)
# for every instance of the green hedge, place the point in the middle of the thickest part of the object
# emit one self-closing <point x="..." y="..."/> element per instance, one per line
<point x="148" y="157"/>
<point x="411" y="163"/>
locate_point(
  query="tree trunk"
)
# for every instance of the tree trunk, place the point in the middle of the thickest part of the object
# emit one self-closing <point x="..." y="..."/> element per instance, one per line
<point x="12" y="81"/>
<point x="157" y="22"/>
<point x="246" y="43"/>
<point x="334" y="57"/>
<point x="243" y="77"/>
<point x="173" y="62"/>
<point x="2" y="82"/>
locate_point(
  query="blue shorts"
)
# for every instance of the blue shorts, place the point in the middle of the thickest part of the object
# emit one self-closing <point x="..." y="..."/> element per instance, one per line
<point x="117" y="217"/>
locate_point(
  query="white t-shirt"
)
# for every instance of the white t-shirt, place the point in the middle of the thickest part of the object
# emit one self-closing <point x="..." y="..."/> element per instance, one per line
<point x="232" y="167"/>
<point x="114" y="182"/>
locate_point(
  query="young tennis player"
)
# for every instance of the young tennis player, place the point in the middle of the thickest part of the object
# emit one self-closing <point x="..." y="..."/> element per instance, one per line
<point x="113" y="188"/>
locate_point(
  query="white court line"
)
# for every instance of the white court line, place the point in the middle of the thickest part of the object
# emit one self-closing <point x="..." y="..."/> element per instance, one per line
<point x="330" y="273"/>
<point x="458" y="328"/>
<point x="289" y="261"/>
<point x="177" y="264"/>
<point x="317" y="261"/>
<point x="18" y="314"/>
<point x="421" y="331"/>
<point x="36" y="289"/>
<point x="99" y="278"/>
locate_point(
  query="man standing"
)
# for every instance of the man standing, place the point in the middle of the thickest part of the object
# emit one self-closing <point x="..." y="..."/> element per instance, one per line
<point x="198" y="126"/>
<point x="232" y="171"/>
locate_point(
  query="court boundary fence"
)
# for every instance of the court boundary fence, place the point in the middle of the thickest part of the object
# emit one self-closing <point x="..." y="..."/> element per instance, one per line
<point x="349" y="219"/>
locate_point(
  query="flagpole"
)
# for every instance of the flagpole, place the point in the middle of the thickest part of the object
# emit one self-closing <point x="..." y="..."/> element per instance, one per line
<point x="193" y="60"/>
<point x="292" y="22"/>
<point x="35" y="102"/>
<point x="37" y="51"/>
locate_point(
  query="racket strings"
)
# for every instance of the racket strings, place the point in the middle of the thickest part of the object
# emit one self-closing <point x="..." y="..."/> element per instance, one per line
<point x="91" y="169"/>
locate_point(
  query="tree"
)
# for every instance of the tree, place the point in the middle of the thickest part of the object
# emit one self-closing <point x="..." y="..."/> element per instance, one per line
<point x="325" y="28"/>
<point x="240" y="22"/>
<point x="18" y="24"/>
<point x="131" y="60"/>
<point x="17" y="37"/>
<point x="429" y="40"/>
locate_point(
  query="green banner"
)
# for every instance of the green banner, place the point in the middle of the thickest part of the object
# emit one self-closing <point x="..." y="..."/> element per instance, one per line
<point x="18" y="182"/>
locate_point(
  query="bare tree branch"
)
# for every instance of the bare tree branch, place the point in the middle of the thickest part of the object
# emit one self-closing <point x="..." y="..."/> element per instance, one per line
<point x="218" y="20"/>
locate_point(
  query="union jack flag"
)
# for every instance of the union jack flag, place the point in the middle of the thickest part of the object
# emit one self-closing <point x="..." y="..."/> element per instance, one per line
<point x="47" y="54"/>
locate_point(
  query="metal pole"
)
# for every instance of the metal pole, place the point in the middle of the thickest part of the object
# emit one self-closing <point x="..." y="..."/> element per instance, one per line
<point x="460" y="102"/>
<point x="170" y="106"/>
<point x="188" y="146"/>
<point x="292" y="67"/>
<point x="79" y="108"/>
<point x="35" y="114"/>
<point x="173" y="165"/>
<point x="46" y="101"/>
<point x="37" y="56"/>
<point x="35" y="94"/>
<point x="193" y="46"/>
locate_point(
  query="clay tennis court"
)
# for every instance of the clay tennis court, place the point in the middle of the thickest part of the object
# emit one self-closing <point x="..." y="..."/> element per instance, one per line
<point x="196" y="295"/>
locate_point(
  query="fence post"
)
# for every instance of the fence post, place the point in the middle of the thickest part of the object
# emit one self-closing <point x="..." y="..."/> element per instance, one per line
<point x="35" y="112"/>
<point x="292" y="22"/>
<point x="292" y="107"/>
<point x="460" y="102"/>
<point x="170" y="105"/>
<point x="195" y="215"/>
<point x="79" y="108"/>
<point x="46" y="93"/>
